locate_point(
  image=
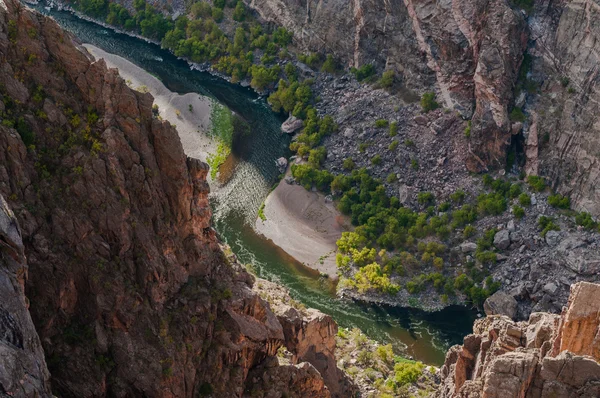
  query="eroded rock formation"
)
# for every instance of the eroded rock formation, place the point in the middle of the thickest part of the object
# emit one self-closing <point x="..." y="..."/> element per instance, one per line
<point x="550" y="355"/>
<point x="130" y="291"/>
<point x="23" y="370"/>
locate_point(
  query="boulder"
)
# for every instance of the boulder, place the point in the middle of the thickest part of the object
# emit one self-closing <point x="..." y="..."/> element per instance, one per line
<point x="552" y="238"/>
<point x="281" y="164"/>
<point x="502" y="239"/>
<point x="291" y="125"/>
<point x="468" y="247"/>
<point x="500" y="303"/>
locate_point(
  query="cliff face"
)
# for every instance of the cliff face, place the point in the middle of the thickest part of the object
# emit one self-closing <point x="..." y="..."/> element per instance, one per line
<point x="23" y="370"/>
<point x="475" y="49"/>
<point x="548" y="356"/>
<point x="562" y="138"/>
<point x="130" y="292"/>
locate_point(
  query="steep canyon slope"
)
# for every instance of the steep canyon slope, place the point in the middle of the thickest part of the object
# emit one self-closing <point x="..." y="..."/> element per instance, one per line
<point x="474" y="52"/>
<point x="127" y="285"/>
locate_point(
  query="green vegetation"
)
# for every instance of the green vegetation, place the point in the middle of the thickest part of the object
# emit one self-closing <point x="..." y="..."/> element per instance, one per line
<point x="585" y="220"/>
<point x="524" y="199"/>
<point x="348" y="164"/>
<point x="547" y="224"/>
<point x="428" y="102"/>
<point x="559" y="201"/>
<point x="222" y="131"/>
<point x="393" y="129"/>
<point x="261" y="212"/>
<point x="376" y="160"/>
<point x="536" y="183"/>
<point x="468" y="129"/>
<point x="393" y="145"/>
<point x="519" y="212"/>
<point x="517" y="115"/>
<point x="407" y="372"/>
<point x="381" y="123"/>
<point x="387" y="79"/>
<point x="364" y="72"/>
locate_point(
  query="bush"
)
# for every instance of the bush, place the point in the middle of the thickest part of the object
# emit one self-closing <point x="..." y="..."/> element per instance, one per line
<point x="524" y="199"/>
<point x="536" y="183"/>
<point x="393" y="145"/>
<point x="380" y="123"/>
<point x="407" y="372"/>
<point x="519" y="212"/>
<point x="393" y="129"/>
<point x="387" y="79"/>
<point x="376" y="160"/>
<point x="469" y="231"/>
<point x="491" y="204"/>
<point x="425" y="198"/>
<point x="239" y="13"/>
<point x="514" y="191"/>
<point x="458" y="196"/>
<point x="364" y="72"/>
<point x="428" y="102"/>
<point x="348" y="164"/>
<point x="585" y="220"/>
<point x="546" y="224"/>
<point x="391" y="178"/>
<point x="562" y="202"/>
<point x="330" y="65"/>
<point x="517" y="115"/>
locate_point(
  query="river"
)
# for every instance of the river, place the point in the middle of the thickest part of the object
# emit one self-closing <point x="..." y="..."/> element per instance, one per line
<point x="425" y="336"/>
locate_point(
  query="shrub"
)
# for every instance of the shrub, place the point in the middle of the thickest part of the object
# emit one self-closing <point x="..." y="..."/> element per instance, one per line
<point x="380" y="123"/>
<point x="585" y="220"/>
<point x="517" y="115"/>
<point x="414" y="164"/>
<point x="458" y="196"/>
<point x="385" y="353"/>
<point x="407" y="372"/>
<point x="428" y="102"/>
<point x="536" y="183"/>
<point x="524" y="199"/>
<point x="387" y="79"/>
<point x="393" y="145"/>
<point x="562" y="202"/>
<point x="391" y="178"/>
<point x="409" y="143"/>
<point x="239" y="13"/>
<point x="330" y="65"/>
<point x="468" y="129"/>
<point x="469" y="231"/>
<point x="393" y="129"/>
<point x="348" y="164"/>
<point x="546" y="224"/>
<point x="519" y="212"/>
<point x="514" y="191"/>
<point x="376" y="160"/>
<point x="363" y="72"/>
<point x="425" y="198"/>
<point x="492" y="204"/>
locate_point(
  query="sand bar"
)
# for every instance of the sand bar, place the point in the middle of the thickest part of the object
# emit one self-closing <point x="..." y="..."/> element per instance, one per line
<point x="304" y="225"/>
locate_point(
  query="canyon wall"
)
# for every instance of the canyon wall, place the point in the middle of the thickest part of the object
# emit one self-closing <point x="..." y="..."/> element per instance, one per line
<point x="127" y="285"/>
<point x="548" y="356"/>
<point x="471" y="53"/>
<point x="563" y="137"/>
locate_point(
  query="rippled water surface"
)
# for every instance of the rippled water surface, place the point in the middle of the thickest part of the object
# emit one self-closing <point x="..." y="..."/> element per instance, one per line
<point x="426" y="336"/>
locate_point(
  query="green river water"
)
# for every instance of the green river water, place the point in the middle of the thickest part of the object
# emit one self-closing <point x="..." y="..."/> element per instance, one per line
<point x="425" y="336"/>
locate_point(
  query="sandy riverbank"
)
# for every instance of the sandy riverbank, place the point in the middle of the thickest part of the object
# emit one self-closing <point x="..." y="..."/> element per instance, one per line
<point x="304" y="225"/>
<point x="193" y="123"/>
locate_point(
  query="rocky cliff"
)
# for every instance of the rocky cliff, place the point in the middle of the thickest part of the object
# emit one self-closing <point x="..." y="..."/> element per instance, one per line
<point x="547" y="356"/>
<point x="127" y="285"/>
